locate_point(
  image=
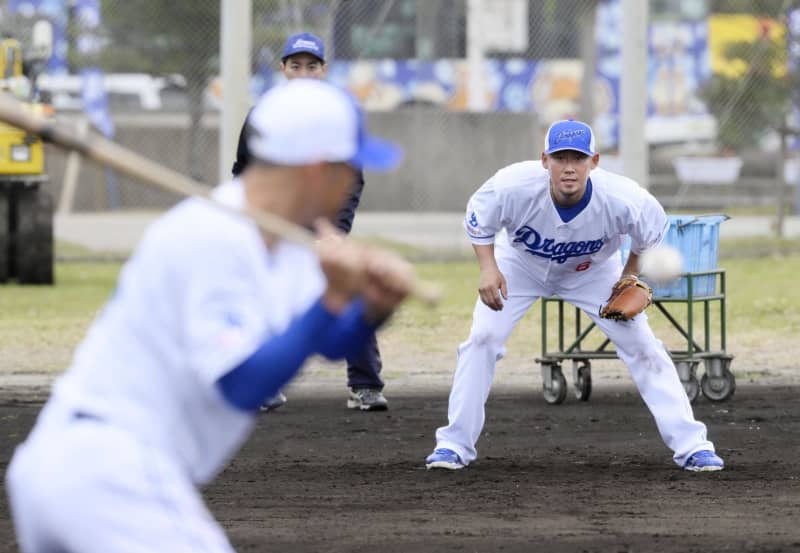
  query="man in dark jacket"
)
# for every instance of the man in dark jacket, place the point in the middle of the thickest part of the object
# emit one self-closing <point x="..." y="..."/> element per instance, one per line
<point x="304" y="57"/>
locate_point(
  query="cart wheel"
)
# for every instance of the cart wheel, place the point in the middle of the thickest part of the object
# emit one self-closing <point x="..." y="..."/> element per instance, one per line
<point x="692" y="387"/>
<point x="583" y="381"/>
<point x="557" y="392"/>
<point x="718" y="389"/>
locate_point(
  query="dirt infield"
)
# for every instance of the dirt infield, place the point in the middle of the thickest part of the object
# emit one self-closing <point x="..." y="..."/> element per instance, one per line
<point x="577" y="477"/>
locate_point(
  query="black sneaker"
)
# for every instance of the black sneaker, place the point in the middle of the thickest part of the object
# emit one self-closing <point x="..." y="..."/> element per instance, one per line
<point x="367" y="399"/>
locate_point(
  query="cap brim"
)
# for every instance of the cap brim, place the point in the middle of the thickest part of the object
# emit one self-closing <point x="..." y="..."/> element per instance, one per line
<point x="568" y="148"/>
<point x="309" y="52"/>
<point x="375" y="154"/>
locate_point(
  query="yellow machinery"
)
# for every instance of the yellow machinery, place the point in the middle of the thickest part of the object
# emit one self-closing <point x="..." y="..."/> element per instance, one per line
<point x="26" y="206"/>
<point x="20" y="153"/>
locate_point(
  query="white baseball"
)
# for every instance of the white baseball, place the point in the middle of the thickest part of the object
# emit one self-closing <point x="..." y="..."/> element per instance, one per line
<point x="661" y="264"/>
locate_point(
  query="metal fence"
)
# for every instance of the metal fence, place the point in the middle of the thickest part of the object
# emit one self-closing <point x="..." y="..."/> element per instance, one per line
<point x="466" y="85"/>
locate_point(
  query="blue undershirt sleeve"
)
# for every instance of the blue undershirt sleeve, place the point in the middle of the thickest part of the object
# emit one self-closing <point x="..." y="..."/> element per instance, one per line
<point x="264" y="373"/>
<point x="348" y="335"/>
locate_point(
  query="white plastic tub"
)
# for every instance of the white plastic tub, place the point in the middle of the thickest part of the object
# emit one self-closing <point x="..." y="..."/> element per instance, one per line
<point x="707" y="170"/>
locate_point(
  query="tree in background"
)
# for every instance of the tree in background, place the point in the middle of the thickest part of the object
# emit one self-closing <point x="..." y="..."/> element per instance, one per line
<point x="769" y="8"/>
<point x="183" y="37"/>
<point x="749" y="106"/>
<point x="162" y="38"/>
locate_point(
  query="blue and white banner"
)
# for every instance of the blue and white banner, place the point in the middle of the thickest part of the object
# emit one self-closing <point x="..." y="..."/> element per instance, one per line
<point x="793" y="63"/>
<point x="93" y="92"/>
<point x="678" y="64"/>
<point x="95" y="100"/>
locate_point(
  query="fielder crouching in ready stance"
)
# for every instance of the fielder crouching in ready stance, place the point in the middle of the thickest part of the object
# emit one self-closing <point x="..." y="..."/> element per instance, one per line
<point x="210" y="317"/>
<point x="564" y="234"/>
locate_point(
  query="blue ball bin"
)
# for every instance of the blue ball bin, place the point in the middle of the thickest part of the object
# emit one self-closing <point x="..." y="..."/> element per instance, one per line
<point x="697" y="238"/>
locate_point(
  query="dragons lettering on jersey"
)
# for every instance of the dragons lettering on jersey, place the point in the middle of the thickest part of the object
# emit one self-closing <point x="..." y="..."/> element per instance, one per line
<point x="550" y="249"/>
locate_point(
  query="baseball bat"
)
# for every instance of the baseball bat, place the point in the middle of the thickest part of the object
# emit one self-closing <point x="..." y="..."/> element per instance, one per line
<point x="135" y="165"/>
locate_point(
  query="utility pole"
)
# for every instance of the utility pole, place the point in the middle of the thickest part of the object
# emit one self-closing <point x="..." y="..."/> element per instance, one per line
<point x="426" y="29"/>
<point x="475" y="57"/>
<point x="587" y="23"/>
<point x="633" y="93"/>
<point x="235" y="42"/>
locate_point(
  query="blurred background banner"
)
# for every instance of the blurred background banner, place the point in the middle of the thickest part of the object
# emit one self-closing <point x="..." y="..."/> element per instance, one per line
<point x="466" y="85"/>
<point x="793" y="49"/>
<point x="21" y="12"/>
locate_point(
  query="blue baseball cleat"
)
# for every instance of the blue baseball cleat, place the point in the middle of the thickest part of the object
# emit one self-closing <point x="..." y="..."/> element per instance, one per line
<point x="443" y="458"/>
<point x="704" y="461"/>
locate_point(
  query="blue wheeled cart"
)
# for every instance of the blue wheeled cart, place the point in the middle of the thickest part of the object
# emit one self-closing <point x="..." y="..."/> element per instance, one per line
<point x="702" y="285"/>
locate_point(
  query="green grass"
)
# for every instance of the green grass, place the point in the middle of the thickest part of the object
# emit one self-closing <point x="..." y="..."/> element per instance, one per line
<point x="758" y="247"/>
<point x="40" y="326"/>
<point x="69" y="251"/>
<point x="64" y="249"/>
<point x="763" y="310"/>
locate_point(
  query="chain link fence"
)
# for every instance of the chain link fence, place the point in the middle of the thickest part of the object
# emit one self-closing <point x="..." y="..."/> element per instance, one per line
<point x="466" y="85"/>
<point x="741" y="159"/>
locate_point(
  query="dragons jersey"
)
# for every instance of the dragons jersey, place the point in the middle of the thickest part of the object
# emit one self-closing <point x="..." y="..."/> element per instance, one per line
<point x="517" y="198"/>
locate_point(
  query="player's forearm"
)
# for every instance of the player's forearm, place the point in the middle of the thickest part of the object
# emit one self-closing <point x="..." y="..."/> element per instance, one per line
<point x="485" y="255"/>
<point x="632" y="265"/>
<point x="261" y="375"/>
<point x="348" y="335"/>
<point x="278" y="359"/>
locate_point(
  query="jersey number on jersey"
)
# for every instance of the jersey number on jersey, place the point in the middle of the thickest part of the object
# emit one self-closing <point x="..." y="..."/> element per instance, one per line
<point x="583" y="266"/>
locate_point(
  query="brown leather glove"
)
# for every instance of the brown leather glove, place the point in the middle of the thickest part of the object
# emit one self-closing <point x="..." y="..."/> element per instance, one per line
<point x="629" y="297"/>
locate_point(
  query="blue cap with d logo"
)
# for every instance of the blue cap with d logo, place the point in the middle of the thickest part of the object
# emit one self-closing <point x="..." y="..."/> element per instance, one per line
<point x="304" y="43"/>
<point x="569" y="135"/>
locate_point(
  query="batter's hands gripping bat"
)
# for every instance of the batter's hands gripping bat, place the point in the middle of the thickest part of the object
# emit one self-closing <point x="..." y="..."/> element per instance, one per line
<point x="130" y="163"/>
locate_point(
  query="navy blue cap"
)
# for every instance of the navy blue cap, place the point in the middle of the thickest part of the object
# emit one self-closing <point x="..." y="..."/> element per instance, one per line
<point x="569" y="135"/>
<point x="304" y="43"/>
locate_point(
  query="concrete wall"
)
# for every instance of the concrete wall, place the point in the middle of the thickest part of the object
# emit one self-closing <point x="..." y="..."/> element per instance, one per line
<point x="448" y="156"/>
<point x="163" y="138"/>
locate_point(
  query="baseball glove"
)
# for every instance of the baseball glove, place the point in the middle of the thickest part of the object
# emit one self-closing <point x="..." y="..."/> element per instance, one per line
<point x="629" y="297"/>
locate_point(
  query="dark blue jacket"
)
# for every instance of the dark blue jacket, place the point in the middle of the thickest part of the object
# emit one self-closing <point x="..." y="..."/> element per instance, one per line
<point x="343" y="219"/>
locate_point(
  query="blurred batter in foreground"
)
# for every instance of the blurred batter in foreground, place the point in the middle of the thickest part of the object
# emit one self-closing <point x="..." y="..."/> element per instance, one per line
<point x="210" y="317"/>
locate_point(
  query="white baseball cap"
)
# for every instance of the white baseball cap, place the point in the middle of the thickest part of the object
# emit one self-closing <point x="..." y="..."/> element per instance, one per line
<point x="305" y="121"/>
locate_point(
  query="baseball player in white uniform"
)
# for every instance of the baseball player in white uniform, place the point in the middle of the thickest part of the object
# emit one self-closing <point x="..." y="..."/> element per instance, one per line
<point x="565" y="220"/>
<point x="210" y="317"/>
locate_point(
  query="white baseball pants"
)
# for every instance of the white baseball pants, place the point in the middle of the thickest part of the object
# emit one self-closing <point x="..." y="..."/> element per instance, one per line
<point x="79" y="484"/>
<point x="645" y="356"/>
